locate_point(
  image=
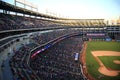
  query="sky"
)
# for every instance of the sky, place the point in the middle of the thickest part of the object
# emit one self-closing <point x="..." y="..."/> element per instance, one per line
<point x="78" y="9"/>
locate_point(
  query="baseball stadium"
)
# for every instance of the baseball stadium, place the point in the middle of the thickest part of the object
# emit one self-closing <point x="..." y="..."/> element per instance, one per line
<point x="43" y="46"/>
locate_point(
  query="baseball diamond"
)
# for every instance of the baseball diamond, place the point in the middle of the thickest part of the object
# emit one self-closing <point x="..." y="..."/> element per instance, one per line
<point x="101" y="60"/>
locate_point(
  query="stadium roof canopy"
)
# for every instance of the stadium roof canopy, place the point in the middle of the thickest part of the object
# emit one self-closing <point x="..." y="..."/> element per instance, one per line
<point x="9" y="7"/>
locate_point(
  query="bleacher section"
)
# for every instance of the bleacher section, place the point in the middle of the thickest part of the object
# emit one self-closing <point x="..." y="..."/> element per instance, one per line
<point x="66" y="51"/>
<point x="96" y="36"/>
<point x="58" y="62"/>
<point x="20" y="69"/>
<point x="21" y="22"/>
<point x="46" y="37"/>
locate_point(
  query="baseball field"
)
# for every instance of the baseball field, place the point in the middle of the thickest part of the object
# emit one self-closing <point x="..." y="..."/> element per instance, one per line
<point x="103" y="60"/>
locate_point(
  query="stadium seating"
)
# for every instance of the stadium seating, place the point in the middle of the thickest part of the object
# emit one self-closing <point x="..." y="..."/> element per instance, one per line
<point x="96" y="36"/>
<point x="18" y="64"/>
<point x="20" y="22"/>
<point x="61" y="55"/>
<point x="58" y="62"/>
<point x="45" y="37"/>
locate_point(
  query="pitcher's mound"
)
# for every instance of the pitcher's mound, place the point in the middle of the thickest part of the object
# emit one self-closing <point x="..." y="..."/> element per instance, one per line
<point x="116" y="61"/>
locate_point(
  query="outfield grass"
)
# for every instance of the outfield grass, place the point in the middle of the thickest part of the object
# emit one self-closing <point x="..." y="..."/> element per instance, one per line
<point x="92" y="64"/>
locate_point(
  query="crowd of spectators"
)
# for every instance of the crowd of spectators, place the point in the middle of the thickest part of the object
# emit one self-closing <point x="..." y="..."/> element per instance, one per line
<point x="58" y="62"/>
<point x="12" y="22"/>
<point x="95" y="36"/>
<point x="45" y="37"/>
<point x="18" y="64"/>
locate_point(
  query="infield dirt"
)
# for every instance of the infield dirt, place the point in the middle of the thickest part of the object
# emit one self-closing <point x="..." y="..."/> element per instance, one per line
<point x="103" y="69"/>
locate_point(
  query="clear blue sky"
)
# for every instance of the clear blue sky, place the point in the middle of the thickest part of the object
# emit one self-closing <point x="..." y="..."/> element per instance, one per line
<point x="107" y="9"/>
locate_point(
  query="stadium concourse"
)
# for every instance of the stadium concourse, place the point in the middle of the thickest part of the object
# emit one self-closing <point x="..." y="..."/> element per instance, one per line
<point x="44" y="47"/>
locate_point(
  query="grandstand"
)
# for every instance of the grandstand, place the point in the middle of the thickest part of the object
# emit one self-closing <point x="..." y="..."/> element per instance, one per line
<point x="45" y="47"/>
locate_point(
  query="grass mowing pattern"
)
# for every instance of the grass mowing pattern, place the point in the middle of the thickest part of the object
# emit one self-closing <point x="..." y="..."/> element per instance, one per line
<point x="92" y="64"/>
